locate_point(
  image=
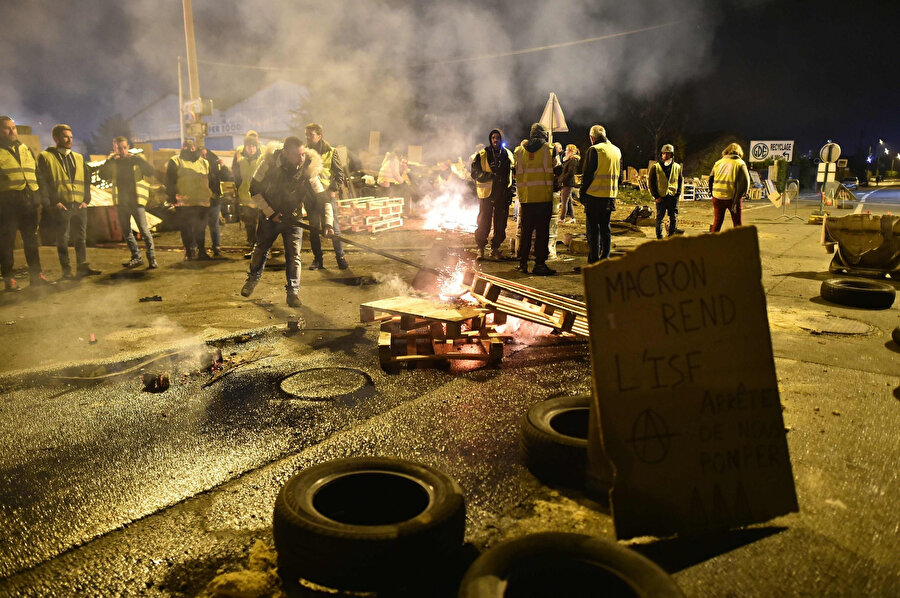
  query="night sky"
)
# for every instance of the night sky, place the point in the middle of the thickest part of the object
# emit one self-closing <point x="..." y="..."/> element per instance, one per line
<point x="803" y="70"/>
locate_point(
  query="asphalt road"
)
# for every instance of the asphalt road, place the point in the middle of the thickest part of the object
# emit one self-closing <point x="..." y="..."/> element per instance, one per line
<point x="109" y="490"/>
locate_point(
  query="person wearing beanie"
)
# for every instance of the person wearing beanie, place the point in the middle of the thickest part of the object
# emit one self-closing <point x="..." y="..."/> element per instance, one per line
<point x="492" y="170"/>
<point x="535" y="173"/>
<point x="247" y="158"/>
<point x="665" y="182"/>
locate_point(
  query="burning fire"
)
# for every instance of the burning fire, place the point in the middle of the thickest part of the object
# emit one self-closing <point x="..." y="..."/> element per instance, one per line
<point x="449" y="211"/>
<point x="451" y="286"/>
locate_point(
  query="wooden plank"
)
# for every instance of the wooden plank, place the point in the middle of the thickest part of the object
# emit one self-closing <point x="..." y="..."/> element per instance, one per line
<point x="425" y="308"/>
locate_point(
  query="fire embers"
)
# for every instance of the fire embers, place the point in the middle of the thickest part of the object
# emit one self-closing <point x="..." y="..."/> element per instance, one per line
<point x="155" y="382"/>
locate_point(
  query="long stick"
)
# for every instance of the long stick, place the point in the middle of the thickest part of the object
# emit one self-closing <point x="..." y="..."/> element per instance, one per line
<point x="391" y="256"/>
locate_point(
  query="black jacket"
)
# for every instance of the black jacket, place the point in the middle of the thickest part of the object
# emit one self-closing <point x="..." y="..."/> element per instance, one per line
<point x="286" y="188"/>
<point x="500" y="170"/>
<point x="569" y="170"/>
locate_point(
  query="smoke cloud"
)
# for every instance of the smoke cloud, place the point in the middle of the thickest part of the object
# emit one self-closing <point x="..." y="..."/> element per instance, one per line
<point x="428" y="73"/>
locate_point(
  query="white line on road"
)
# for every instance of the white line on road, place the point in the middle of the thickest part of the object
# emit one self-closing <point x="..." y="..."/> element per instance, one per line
<point x="862" y="200"/>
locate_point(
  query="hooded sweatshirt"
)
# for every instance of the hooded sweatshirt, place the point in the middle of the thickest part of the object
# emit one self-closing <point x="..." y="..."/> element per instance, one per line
<point x="500" y="164"/>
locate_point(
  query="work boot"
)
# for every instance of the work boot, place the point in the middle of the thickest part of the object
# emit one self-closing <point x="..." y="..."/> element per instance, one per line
<point x="342" y="263"/>
<point x="316" y="265"/>
<point x="543" y="270"/>
<point x="151" y="264"/>
<point x="481" y="253"/>
<point x="497" y="254"/>
<point x="67" y="274"/>
<point x="10" y="284"/>
<point x="293" y="300"/>
<point x="134" y="262"/>
<point x="522" y="267"/>
<point x="677" y="231"/>
<point x="86" y="270"/>
<point x="217" y="252"/>
<point x="189" y="256"/>
<point x="39" y="280"/>
<point x="203" y="256"/>
<point x="248" y="287"/>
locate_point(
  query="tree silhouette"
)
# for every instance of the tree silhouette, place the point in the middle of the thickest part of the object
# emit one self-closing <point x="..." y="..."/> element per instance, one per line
<point x="101" y="140"/>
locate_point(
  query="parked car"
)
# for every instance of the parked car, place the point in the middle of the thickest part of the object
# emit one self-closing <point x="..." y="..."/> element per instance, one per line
<point x="850" y="182"/>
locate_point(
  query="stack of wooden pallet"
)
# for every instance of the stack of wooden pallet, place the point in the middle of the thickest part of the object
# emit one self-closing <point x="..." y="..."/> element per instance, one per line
<point x="566" y="316"/>
<point x="420" y="332"/>
<point x="370" y="214"/>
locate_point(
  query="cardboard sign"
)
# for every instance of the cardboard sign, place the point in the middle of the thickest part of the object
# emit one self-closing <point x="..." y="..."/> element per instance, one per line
<point x="685" y="389"/>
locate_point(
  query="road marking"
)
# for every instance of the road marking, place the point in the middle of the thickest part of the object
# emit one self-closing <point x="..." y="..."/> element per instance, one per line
<point x="862" y="200"/>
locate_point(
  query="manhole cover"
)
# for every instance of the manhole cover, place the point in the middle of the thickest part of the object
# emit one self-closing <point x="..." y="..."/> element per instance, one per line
<point x="832" y="325"/>
<point x="319" y="384"/>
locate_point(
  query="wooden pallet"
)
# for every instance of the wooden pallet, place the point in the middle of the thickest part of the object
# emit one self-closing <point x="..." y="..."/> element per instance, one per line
<point x="565" y="316"/>
<point x="418" y="332"/>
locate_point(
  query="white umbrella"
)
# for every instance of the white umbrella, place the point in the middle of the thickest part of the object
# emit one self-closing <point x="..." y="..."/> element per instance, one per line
<point x="553" y="117"/>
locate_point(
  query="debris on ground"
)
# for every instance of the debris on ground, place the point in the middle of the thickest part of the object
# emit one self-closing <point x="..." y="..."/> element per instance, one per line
<point x="151" y="298"/>
<point x="93" y="339"/>
<point x="155" y="382"/>
<point x="223" y="367"/>
<point x="259" y="580"/>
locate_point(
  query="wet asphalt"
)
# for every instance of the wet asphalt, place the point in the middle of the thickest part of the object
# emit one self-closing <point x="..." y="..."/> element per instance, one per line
<point x="106" y="489"/>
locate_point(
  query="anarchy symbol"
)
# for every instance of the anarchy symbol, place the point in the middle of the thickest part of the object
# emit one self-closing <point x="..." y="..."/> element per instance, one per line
<point x="650" y="437"/>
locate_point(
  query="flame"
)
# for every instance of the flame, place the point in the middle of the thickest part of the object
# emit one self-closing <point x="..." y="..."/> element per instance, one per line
<point x="450" y="285"/>
<point x="449" y="210"/>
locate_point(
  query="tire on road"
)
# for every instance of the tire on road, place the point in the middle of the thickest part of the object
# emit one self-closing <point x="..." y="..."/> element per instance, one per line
<point x="895" y="334"/>
<point x="868" y="294"/>
<point x="366" y="523"/>
<point x="561" y="564"/>
<point x="554" y="441"/>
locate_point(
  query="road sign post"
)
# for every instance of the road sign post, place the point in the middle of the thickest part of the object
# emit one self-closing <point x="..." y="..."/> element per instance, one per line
<point x="827" y="169"/>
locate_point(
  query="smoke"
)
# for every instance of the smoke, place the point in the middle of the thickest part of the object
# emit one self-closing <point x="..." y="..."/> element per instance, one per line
<point x="428" y="73"/>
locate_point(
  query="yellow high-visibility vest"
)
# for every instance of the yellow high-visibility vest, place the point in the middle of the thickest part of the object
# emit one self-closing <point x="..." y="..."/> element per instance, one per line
<point x="193" y="181"/>
<point x="247" y="168"/>
<point x="141" y="186"/>
<point x="534" y="174"/>
<point x="66" y="191"/>
<point x="725" y="172"/>
<point x="325" y="174"/>
<point x="15" y="175"/>
<point x="669" y="184"/>
<point x="606" y="178"/>
<point x="484" y="189"/>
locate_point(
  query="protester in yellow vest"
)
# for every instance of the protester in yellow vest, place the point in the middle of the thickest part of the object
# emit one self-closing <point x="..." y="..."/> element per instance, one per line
<point x="130" y="190"/>
<point x="65" y="181"/>
<point x="332" y="177"/>
<point x="18" y="205"/>
<point x="599" y="189"/>
<point x="189" y="189"/>
<point x="728" y="183"/>
<point x="535" y="173"/>
<point x="493" y="170"/>
<point x="247" y="158"/>
<point x="665" y="182"/>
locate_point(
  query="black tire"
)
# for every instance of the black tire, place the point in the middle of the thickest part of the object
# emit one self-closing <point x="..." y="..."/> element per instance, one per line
<point x="367" y="523"/>
<point x="560" y="564"/>
<point x="868" y="294"/>
<point x="554" y="440"/>
<point x="896" y="335"/>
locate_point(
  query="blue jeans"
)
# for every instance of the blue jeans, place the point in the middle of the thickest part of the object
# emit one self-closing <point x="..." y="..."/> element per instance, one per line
<point x="212" y="221"/>
<point x="266" y="233"/>
<point x="597" y="211"/>
<point x="72" y="223"/>
<point x="125" y="213"/>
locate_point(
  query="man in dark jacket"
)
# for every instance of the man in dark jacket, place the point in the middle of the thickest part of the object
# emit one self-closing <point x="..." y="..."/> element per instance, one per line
<point x="65" y="180"/>
<point x="130" y="191"/>
<point x="665" y="182"/>
<point x="285" y="182"/>
<point x="599" y="189"/>
<point x="332" y="177"/>
<point x="19" y="198"/>
<point x="189" y="188"/>
<point x="493" y="170"/>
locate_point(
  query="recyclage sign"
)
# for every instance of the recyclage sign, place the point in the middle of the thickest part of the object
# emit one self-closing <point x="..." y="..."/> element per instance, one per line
<point x="762" y="150"/>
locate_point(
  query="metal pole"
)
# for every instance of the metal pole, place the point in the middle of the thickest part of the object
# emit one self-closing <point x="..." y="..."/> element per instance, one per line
<point x="180" y="103"/>
<point x="193" y="77"/>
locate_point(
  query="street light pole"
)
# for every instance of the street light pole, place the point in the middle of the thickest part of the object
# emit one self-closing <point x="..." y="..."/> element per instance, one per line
<point x="193" y="77"/>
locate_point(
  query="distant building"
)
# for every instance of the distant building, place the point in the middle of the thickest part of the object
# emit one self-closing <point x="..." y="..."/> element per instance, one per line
<point x="268" y="111"/>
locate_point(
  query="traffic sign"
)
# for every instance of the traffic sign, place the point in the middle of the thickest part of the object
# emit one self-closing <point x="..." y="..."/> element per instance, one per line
<point x="777" y="150"/>
<point x="825" y="171"/>
<point x="830" y="152"/>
